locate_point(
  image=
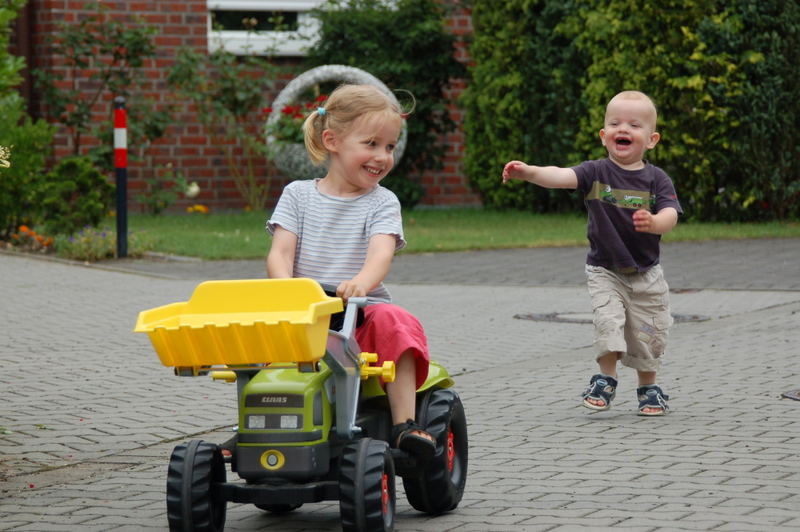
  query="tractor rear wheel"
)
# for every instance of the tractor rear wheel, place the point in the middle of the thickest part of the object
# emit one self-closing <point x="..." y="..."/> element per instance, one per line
<point x="440" y="486"/>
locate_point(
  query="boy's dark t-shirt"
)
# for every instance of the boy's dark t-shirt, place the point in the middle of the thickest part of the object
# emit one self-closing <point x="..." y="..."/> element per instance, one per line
<point x="611" y="195"/>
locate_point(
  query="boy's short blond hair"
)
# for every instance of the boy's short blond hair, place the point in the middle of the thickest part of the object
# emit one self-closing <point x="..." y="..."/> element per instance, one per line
<point x="637" y="95"/>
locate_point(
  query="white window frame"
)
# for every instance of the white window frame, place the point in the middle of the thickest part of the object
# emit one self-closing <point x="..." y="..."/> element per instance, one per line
<point x="279" y="43"/>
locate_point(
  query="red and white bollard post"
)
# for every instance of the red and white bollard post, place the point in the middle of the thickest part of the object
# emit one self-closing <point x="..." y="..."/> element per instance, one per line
<point x="121" y="171"/>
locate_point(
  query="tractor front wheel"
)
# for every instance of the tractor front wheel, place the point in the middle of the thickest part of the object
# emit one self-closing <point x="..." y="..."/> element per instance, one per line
<point x="367" y="494"/>
<point x="191" y="503"/>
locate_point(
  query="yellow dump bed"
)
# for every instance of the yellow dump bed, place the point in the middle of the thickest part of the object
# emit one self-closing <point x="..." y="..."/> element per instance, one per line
<point x="242" y="323"/>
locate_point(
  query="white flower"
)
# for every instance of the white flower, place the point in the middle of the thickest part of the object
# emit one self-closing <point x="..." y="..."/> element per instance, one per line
<point x="192" y="190"/>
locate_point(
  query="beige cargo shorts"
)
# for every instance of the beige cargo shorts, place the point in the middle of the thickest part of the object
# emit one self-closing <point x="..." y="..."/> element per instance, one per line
<point x="631" y="315"/>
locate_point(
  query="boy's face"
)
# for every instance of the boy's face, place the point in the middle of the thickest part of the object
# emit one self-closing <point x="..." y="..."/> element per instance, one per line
<point x="629" y="131"/>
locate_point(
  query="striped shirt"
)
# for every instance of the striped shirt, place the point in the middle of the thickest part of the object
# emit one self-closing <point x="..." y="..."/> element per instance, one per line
<point x="333" y="233"/>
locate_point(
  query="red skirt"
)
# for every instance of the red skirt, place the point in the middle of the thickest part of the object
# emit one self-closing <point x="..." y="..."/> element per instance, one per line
<point x="390" y="331"/>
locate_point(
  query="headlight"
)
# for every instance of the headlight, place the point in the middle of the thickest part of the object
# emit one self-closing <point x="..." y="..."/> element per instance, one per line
<point x="274" y="421"/>
<point x="290" y="422"/>
<point x="256" y="422"/>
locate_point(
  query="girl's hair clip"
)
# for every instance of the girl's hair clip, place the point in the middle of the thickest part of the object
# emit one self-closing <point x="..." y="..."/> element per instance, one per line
<point x="321" y="111"/>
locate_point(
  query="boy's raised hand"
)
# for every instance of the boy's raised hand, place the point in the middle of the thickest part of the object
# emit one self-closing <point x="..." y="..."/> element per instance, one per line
<point x="514" y="170"/>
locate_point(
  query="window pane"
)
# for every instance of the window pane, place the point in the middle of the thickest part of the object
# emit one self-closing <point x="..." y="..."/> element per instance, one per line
<point x="254" y="20"/>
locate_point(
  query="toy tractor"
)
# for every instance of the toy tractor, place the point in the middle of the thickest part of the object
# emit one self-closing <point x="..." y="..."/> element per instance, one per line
<point x="314" y="422"/>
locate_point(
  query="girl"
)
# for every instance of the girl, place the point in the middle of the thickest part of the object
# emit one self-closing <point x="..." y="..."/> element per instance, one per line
<point x="343" y="230"/>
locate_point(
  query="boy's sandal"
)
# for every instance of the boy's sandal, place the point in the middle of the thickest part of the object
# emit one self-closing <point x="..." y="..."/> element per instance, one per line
<point x="405" y="436"/>
<point x="653" y="398"/>
<point x="601" y="388"/>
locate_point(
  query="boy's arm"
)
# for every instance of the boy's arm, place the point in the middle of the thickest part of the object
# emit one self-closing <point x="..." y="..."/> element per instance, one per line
<point x="657" y="224"/>
<point x="544" y="176"/>
<point x="280" y="260"/>
<point x="376" y="267"/>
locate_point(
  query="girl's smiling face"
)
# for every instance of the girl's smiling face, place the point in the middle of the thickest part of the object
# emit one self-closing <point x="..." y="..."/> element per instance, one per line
<point x="363" y="156"/>
<point x="629" y="131"/>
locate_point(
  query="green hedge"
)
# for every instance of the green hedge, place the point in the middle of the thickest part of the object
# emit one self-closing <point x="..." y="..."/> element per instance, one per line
<point x="722" y="74"/>
<point x="523" y="101"/>
<point x="406" y="45"/>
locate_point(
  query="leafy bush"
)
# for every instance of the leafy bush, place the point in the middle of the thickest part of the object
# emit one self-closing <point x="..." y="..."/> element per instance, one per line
<point x="29" y="144"/>
<point x="75" y="194"/>
<point x="523" y="101"/>
<point x="9" y="65"/>
<point x="25" y="143"/>
<point x="406" y="45"/>
<point x="722" y="74"/>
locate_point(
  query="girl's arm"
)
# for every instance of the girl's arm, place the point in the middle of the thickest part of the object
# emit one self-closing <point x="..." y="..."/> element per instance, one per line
<point x="544" y="176"/>
<point x="376" y="268"/>
<point x="280" y="260"/>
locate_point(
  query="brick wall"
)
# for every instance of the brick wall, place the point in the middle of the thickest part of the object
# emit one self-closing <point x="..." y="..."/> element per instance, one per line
<point x="186" y="145"/>
<point x="449" y="187"/>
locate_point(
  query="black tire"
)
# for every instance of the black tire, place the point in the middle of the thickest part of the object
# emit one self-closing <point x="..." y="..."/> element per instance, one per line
<point x="191" y="504"/>
<point x="367" y="495"/>
<point x="441" y="485"/>
<point x="279" y="508"/>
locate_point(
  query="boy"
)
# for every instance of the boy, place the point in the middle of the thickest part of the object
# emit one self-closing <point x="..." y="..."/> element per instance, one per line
<point x="631" y="203"/>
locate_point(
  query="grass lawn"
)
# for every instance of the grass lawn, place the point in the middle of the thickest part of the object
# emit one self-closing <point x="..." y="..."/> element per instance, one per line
<point x="242" y="235"/>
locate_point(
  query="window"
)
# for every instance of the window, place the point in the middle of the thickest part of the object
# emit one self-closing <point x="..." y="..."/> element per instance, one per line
<point x="262" y="26"/>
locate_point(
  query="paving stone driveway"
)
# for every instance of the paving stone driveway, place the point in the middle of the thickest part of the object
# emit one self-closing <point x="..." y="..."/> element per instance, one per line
<point x="88" y="416"/>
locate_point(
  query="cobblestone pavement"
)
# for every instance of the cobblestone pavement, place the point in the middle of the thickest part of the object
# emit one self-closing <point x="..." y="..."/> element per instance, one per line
<point x="88" y="416"/>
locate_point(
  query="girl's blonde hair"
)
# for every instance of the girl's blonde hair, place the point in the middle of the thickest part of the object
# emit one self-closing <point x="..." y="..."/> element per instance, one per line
<point x="345" y="105"/>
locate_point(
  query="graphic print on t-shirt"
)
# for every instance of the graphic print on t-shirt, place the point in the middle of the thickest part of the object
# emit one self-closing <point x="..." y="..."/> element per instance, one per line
<point x="624" y="199"/>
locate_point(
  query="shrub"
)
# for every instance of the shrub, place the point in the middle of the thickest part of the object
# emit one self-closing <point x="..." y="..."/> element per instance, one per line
<point x="404" y="44"/>
<point x="722" y="74"/>
<point x="9" y="65"/>
<point x="25" y="143"/>
<point x="523" y="101"/>
<point x="29" y="144"/>
<point x="75" y="194"/>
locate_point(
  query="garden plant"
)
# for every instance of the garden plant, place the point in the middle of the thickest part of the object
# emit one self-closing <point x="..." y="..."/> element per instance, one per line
<point x="721" y="73"/>
<point x="406" y="45"/>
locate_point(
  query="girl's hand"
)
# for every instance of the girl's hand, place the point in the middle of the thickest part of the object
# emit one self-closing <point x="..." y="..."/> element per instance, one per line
<point x="351" y="288"/>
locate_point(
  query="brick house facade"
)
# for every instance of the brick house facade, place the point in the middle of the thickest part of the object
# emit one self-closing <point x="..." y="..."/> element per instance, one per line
<point x="186" y="145"/>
